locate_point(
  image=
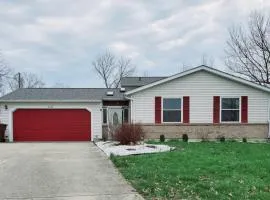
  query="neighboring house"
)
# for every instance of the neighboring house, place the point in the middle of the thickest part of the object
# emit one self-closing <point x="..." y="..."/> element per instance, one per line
<point x="202" y="102"/>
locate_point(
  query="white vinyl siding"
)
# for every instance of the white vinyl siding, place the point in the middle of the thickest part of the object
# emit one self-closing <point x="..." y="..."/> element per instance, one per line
<point x="201" y="86"/>
<point x="3" y="115"/>
<point x="94" y="108"/>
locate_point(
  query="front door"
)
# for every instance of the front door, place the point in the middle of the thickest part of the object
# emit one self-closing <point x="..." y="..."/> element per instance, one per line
<point x="115" y="118"/>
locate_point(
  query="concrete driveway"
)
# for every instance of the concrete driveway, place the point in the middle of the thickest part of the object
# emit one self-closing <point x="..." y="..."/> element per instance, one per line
<point x="64" y="171"/>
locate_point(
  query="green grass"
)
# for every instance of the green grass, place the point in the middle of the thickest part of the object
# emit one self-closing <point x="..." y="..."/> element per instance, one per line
<point x="204" y="170"/>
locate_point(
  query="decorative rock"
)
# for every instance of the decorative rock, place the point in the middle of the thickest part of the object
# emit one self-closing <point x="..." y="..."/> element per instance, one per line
<point x="124" y="150"/>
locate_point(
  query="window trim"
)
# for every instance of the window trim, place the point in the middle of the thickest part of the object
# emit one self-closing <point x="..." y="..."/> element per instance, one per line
<point x="172" y="97"/>
<point x="240" y="109"/>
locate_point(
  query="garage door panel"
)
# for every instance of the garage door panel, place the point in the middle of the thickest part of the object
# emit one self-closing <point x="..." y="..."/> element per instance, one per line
<point x="52" y="125"/>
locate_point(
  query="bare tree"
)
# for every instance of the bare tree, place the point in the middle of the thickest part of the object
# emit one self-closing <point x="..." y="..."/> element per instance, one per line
<point x="10" y="81"/>
<point x="184" y="67"/>
<point x="207" y="61"/>
<point x="145" y="74"/>
<point x="25" y="80"/>
<point x="4" y="69"/>
<point x="124" y="68"/>
<point x="60" y="85"/>
<point x="111" y="69"/>
<point x="248" y="49"/>
<point x="4" y="73"/>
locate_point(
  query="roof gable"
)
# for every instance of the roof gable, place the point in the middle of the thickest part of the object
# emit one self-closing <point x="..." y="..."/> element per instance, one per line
<point x="201" y="68"/>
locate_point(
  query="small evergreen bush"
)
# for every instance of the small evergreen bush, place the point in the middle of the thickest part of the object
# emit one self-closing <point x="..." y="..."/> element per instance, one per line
<point x="185" y="137"/>
<point x="244" y="139"/>
<point x="162" y="138"/>
<point x="222" y="139"/>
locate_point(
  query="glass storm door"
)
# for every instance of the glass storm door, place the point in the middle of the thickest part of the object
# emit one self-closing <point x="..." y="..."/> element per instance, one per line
<point x="115" y="117"/>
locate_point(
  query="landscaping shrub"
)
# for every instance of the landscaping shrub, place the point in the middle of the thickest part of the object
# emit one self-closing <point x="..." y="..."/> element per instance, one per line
<point x="129" y="134"/>
<point x="162" y="138"/>
<point x="244" y="139"/>
<point x="222" y="139"/>
<point x="185" y="137"/>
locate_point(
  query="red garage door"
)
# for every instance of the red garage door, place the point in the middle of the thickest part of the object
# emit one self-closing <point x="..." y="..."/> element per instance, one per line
<point x="51" y="125"/>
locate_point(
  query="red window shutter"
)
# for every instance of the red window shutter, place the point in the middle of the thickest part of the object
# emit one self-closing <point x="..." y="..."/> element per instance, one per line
<point x="186" y="109"/>
<point x="216" y="109"/>
<point x="157" y="110"/>
<point x="244" y="109"/>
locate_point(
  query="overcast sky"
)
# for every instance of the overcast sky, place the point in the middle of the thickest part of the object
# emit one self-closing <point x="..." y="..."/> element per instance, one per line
<point x="58" y="39"/>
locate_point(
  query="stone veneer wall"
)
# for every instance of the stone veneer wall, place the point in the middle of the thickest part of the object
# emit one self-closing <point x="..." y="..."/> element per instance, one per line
<point x="206" y="131"/>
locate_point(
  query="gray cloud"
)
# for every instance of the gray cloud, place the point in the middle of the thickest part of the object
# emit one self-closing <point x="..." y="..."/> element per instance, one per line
<point x="59" y="39"/>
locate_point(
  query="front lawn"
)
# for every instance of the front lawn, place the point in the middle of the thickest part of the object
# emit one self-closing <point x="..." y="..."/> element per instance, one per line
<point x="204" y="170"/>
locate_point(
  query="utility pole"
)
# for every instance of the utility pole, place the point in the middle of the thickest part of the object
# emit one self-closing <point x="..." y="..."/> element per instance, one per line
<point x="19" y="80"/>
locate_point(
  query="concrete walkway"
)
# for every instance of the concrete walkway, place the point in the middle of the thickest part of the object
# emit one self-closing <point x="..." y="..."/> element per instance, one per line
<point x="62" y="171"/>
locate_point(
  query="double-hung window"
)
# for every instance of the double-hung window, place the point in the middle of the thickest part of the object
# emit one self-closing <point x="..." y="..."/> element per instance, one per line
<point x="230" y="109"/>
<point x="172" y="109"/>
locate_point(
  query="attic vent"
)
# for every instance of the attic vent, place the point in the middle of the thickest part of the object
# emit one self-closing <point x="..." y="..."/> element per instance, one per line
<point x="110" y="93"/>
<point x="122" y="89"/>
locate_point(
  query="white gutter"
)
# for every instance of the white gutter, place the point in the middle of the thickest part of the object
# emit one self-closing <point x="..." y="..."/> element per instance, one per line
<point x="50" y="101"/>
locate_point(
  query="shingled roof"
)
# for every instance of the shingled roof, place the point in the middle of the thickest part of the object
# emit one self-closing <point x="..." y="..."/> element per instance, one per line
<point x="62" y="94"/>
<point x="139" y="81"/>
